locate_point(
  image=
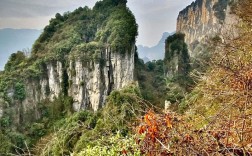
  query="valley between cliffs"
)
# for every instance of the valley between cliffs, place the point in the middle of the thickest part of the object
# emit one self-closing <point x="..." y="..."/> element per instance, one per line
<point x="84" y="90"/>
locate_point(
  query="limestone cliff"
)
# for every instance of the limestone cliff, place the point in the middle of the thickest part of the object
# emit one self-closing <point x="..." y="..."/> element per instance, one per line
<point x="89" y="85"/>
<point x="204" y="19"/>
<point x="90" y="88"/>
<point x="83" y="55"/>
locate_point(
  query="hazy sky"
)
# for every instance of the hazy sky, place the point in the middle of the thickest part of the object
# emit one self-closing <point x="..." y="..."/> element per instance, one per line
<point x="153" y="16"/>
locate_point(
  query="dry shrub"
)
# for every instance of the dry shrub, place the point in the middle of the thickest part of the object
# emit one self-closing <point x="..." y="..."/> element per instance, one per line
<point x="220" y="121"/>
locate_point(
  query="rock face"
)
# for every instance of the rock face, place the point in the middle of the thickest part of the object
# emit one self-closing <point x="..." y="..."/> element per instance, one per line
<point x="89" y="81"/>
<point x="204" y="19"/>
<point x="89" y="88"/>
<point x="1" y="109"/>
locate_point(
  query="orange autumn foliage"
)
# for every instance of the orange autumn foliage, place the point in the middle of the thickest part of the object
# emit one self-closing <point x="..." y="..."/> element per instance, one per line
<point x="153" y="126"/>
<point x="171" y="134"/>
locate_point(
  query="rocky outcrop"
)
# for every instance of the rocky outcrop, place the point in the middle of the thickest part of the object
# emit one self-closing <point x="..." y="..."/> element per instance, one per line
<point x="176" y="60"/>
<point x="1" y="107"/>
<point x="54" y="79"/>
<point x="204" y="19"/>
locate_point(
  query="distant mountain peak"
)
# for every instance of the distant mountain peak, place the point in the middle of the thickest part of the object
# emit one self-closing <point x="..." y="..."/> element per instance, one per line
<point x="164" y="36"/>
<point x="156" y="52"/>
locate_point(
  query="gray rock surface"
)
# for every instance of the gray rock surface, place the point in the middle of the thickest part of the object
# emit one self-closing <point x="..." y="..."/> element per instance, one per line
<point x="89" y="81"/>
<point x="204" y="19"/>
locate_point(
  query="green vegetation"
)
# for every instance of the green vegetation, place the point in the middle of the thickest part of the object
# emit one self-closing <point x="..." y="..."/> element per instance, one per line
<point x="15" y="61"/>
<point x="151" y="80"/>
<point x="88" y="132"/>
<point x="159" y="80"/>
<point x="19" y="92"/>
<point x="25" y="136"/>
<point x="109" y="23"/>
<point x="177" y="69"/>
<point x="176" y="56"/>
<point x="5" y="143"/>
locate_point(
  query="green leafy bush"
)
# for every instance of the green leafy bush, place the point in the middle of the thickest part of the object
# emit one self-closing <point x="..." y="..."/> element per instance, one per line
<point x="5" y="144"/>
<point x="19" y="91"/>
<point x="5" y="121"/>
<point x="37" y="130"/>
<point x="14" y="61"/>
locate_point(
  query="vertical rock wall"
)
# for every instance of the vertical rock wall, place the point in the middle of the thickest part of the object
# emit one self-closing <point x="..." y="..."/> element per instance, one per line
<point x="204" y="19"/>
<point x="89" y="81"/>
<point x="92" y="81"/>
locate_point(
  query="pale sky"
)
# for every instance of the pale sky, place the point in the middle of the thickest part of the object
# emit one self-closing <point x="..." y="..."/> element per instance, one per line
<point x="153" y="16"/>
